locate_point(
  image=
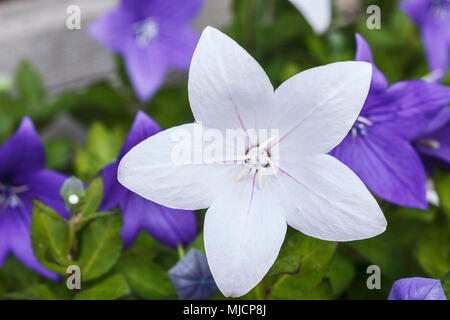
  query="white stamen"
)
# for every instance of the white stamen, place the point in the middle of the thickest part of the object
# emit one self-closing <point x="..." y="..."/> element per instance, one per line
<point x="266" y="143"/>
<point x="433" y="76"/>
<point x="428" y="143"/>
<point x="364" y="120"/>
<point x="260" y="184"/>
<point x="243" y="173"/>
<point x="145" y="31"/>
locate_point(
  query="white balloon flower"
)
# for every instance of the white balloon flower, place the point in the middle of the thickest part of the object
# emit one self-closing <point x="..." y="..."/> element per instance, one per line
<point x="282" y="177"/>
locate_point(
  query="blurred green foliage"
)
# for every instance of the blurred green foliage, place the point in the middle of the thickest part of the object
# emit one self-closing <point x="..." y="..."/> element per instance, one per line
<point x="416" y="243"/>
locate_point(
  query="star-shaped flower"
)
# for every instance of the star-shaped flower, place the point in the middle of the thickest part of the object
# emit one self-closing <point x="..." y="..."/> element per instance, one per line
<point x="433" y="18"/>
<point x="23" y="177"/>
<point x="169" y="226"/>
<point x="378" y="147"/>
<point x="152" y="36"/>
<point x="316" y="12"/>
<point x="255" y="191"/>
<point x="417" y="289"/>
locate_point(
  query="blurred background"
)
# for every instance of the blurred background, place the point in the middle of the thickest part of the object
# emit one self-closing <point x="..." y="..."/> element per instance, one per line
<point x="81" y="101"/>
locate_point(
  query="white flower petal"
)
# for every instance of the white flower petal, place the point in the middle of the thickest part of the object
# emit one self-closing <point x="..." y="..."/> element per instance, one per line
<point x="332" y="202"/>
<point x="317" y="12"/>
<point x="149" y="170"/>
<point x="228" y="89"/>
<point x="317" y="108"/>
<point x="243" y="233"/>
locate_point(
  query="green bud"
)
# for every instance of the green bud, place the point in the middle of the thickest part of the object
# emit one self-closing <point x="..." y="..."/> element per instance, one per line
<point x="72" y="192"/>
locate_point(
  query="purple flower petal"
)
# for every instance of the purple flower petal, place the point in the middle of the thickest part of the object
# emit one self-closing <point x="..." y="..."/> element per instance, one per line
<point x="4" y="249"/>
<point x="387" y="164"/>
<point x="416" y="9"/>
<point x="152" y="36"/>
<point x="436" y="40"/>
<point x="179" y="45"/>
<point x="171" y="227"/>
<point x="15" y="237"/>
<point x="182" y="12"/>
<point x="378" y="147"/>
<point x="405" y="103"/>
<point x="175" y="11"/>
<point x="417" y="289"/>
<point x="435" y="140"/>
<point x="433" y="18"/>
<point x="22" y="155"/>
<point x="363" y="53"/>
<point x="112" y="29"/>
<point x="147" y="68"/>
<point x="45" y="185"/>
<point x="192" y="277"/>
<point x="142" y="128"/>
<point x="113" y="192"/>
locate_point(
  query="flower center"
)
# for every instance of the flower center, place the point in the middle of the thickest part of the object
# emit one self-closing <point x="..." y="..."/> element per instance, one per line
<point x="440" y="9"/>
<point x="257" y="161"/>
<point x="9" y="196"/>
<point x="360" y="127"/>
<point x="145" y="31"/>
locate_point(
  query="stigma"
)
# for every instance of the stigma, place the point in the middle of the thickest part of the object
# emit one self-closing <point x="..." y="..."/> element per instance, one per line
<point x="440" y="9"/>
<point x="9" y="196"/>
<point x="145" y="31"/>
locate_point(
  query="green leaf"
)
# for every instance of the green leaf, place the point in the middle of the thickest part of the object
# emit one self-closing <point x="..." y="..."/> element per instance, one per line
<point x="102" y="148"/>
<point x="112" y="288"/>
<point x="296" y="288"/>
<point x="433" y="250"/>
<point x="442" y="184"/>
<point x="300" y="253"/>
<point x="144" y="248"/>
<point x="58" y="152"/>
<point x="341" y="274"/>
<point x="34" y="292"/>
<point x="257" y="293"/>
<point x="197" y="244"/>
<point x="301" y="266"/>
<point x="92" y="200"/>
<point x="393" y="250"/>
<point x="92" y="216"/>
<point x="148" y="280"/>
<point x="14" y="276"/>
<point x="30" y="88"/>
<point x="446" y="285"/>
<point x="100" y="247"/>
<point x="50" y="237"/>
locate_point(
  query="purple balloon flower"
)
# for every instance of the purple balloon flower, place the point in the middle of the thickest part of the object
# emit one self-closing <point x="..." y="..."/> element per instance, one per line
<point x="23" y="178"/>
<point x="151" y="35"/>
<point x="433" y="18"/>
<point x="433" y="144"/>
<point x="169" y="226"/>
<point x="417" y="289"/>
<point x="378" y="147"/>
<point x="192" y="277"/>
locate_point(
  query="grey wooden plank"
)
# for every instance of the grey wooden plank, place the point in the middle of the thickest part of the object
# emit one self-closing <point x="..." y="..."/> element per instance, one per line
<point x="36" y="30"/>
